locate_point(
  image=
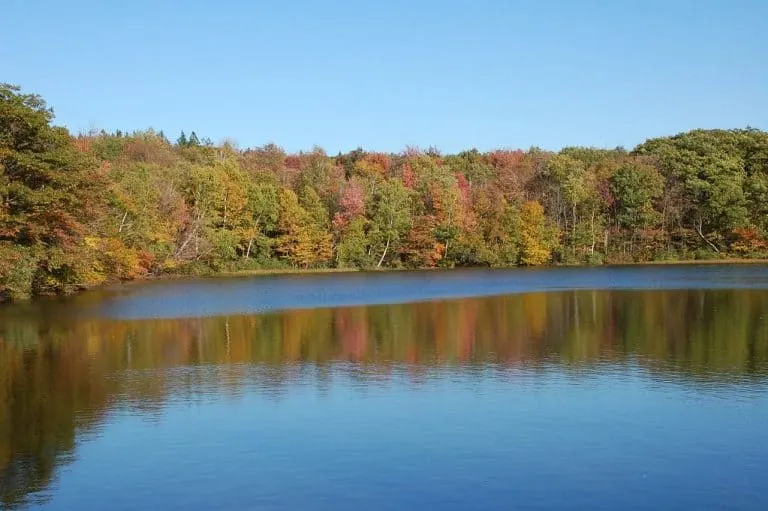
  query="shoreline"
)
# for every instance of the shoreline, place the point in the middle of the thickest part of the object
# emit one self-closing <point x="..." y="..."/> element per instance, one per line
<point x="330" y="271"/>
<point x="320" y="271"/>
<point x="689" y="262"/>
<point x="311" y="271"/>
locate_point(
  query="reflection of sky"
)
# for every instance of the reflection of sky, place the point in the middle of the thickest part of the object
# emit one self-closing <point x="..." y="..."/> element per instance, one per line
<point x="257" y="294"/>
<point x="580" y="406"/>
<point x="454" y="440"/>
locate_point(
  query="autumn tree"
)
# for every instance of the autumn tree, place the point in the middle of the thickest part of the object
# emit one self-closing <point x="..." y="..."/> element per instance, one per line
<point x="537" y="237"/>
<point x="76" y="212"/>
<point x="300" y="240"/>
<point x="49" y="193"/>
<point x="349" y="228"/>
<point x="420" y="247"/>
<point x="498" y="224"/>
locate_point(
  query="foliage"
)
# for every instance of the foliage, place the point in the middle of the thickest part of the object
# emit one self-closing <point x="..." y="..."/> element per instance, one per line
<point x="537" y="237"/>
<point x="301" y="240"/>
<point x="49" y="194"/>
<point x="76" y="212"/>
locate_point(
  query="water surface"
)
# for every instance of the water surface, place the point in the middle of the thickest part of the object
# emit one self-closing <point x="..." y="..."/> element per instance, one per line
<point x="636" y="388"/>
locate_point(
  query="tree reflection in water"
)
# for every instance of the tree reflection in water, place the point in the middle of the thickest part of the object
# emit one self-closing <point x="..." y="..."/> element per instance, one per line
<point x="61" y="376"/>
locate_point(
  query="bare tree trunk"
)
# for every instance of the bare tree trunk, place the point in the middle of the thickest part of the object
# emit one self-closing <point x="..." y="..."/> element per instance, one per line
<point x="250" y="241"/>
<point x="386" y="247"/>
<point x="226" y="199"/>
<point x="698" y="230"/>
<point x="186" y="242"/>
<point x="189" y="238"/>
<point x="122" y="222"/>
<point x="248" y="251"/>
<point x="573" y="227"/>
<point x="664" y="224"/>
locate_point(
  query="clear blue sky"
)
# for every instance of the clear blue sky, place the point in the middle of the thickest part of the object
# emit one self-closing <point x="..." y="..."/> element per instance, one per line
<point x="386" y="74"/>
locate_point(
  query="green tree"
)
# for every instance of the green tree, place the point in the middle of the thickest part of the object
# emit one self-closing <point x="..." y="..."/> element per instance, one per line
<point x="636" y="187"/>
<point x="264" y="207"/>
<point x="709" y="166"/>
<point x="352" y="249"/>
<point x="313" y="205"/>
<point x="473" y="164"/>
<point x="499" y="226"/>
<point x="391" y="218"/>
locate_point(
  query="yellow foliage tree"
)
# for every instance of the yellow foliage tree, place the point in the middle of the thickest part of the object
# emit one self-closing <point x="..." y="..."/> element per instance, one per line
<point x="537" y="237"/>
<point x="301" y="241"/>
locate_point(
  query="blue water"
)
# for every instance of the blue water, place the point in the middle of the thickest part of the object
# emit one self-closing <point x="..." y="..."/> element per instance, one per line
<point x="252" y="295"/>
<point x="608" y="388"/>
<point x="488" y="441"/>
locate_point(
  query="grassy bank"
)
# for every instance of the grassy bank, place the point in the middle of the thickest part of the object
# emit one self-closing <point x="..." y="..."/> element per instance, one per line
<point x="265" y="272"/>
<point x="285" y="271"/>
<point x="309" y="271"/>
<point x="704" y="261"/>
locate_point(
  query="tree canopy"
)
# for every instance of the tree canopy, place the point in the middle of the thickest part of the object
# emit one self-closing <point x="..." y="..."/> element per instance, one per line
<point x="76" y="211"/>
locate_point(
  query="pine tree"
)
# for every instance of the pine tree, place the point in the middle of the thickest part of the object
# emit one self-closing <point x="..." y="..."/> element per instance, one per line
<point x="182" y="140"/>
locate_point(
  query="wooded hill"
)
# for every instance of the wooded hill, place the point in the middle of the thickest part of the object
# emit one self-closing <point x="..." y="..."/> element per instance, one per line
<point x="76" y="211"/>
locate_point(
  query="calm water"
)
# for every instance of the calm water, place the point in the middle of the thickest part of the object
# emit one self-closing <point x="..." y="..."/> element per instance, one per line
<point x="611" y="388"/>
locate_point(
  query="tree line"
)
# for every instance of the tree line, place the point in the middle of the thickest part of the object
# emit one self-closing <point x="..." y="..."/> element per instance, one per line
<point x="77" y="211"/>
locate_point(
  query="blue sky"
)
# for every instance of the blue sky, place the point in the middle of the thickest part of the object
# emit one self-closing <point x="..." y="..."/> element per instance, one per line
<point x="386" y="74"/>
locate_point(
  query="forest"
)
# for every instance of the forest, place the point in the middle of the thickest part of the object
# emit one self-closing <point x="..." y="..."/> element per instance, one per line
<point x="80" y="210"/>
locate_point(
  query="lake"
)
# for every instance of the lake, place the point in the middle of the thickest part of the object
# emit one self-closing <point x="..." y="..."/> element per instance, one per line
<point x="642" y="387"/>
